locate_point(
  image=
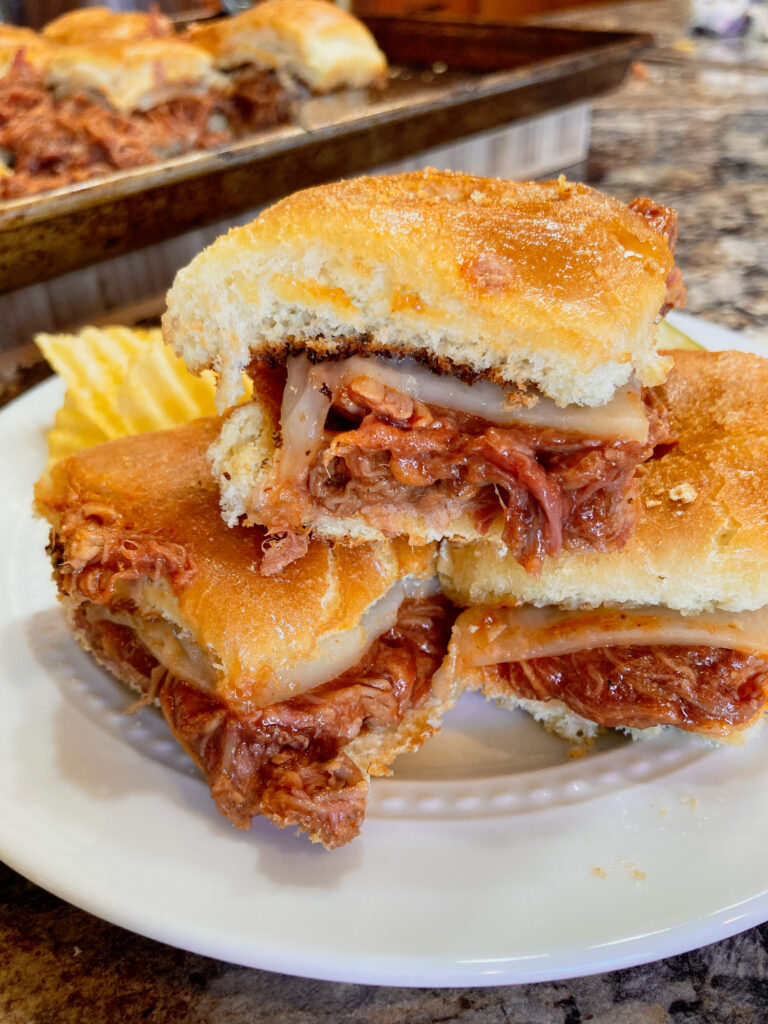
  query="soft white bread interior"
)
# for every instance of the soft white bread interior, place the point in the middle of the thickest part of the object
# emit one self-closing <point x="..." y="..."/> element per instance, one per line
<point x="551" y="284"/>
<point x="135" y="76"/>
<point x="314" y="41"/>
<point x="701" y="542"/>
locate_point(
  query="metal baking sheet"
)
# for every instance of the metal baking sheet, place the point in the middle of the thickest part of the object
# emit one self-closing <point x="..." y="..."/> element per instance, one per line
<point x="449" y="80"/>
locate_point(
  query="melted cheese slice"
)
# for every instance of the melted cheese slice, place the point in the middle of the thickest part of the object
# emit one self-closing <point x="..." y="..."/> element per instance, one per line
<point x="176" y="650"/>
<point x="339" y="652"/>
<point x="309" y="388"/>
<point x="173" y="648"/>
<point x="492" y="636"/>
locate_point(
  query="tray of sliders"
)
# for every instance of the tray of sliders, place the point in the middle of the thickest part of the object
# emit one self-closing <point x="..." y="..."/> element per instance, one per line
<point x="118" y="131"/>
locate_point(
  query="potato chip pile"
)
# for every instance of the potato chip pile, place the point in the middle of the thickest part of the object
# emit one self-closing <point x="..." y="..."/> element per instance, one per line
<point x="120" y="381"/>
<point x="670" y="337"/>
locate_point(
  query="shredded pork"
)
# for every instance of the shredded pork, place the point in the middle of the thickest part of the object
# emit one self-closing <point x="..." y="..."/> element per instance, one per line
<point x="386" y="454"/>
<point x="94" y="554"/>
<point x="287" y="762"/>
<point x="699" y="689"/>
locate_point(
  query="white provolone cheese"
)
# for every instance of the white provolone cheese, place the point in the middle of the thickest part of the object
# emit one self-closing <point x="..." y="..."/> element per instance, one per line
<point x="308" y="392"/>
<point x="491" y="636"/>
<point x="622" y="417"/>
<point x="335" y="654"/>
<point x="167" y="642"/>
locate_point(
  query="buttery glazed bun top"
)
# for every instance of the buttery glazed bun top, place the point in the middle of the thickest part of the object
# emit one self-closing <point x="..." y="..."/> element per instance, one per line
<point x="102" y="25"/>
<point x="313" y="40"/>
<point x="547" y="283"/>
<point x="16" y="42"/>
<point x="255" y="627"/>
<point x="702" y="539"/>
<point x="135" y="75"/>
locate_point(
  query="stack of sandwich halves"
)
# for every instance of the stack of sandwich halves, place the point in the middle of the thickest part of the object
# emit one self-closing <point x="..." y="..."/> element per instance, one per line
<point x="436" y="360"/>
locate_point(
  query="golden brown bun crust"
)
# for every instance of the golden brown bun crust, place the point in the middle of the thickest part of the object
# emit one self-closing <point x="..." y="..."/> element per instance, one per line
<point x="36" y="50"/>
<point x="160" y="484"/>
<point x="315" y="41"/>
<point x="701" y="541"/>
<point x="551" y="283"/>
<point x="91" y="25"/>
<point x="135" y="75"/>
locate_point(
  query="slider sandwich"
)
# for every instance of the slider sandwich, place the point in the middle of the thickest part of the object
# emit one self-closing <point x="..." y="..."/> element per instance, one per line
<point x="435" y="355"/>
<point x="92" y="109"/>
<point x="288" y="692"/>
<point x="24" y="59"/>
<point x="310" y="43"/>
<point x="673" y="629"/>
<point x="134" y="75"/>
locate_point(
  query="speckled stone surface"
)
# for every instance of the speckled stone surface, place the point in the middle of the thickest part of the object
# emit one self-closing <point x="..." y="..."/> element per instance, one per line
<point x="689" y="128"/>
<point x="696" y="138"/>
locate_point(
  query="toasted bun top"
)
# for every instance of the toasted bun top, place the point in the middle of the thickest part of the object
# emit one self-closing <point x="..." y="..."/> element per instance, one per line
<point x="702" y="538"/>
<point x="313" y="40"/>
<point x="16" y="41"/>
<point x="102" y="25"/>
<point x="550" y="283"/>
<point x="135" y="75"/>
<point x="159" y="485"/>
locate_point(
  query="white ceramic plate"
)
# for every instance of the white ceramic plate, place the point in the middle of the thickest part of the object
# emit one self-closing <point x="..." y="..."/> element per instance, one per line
<point x="490" y="857"/>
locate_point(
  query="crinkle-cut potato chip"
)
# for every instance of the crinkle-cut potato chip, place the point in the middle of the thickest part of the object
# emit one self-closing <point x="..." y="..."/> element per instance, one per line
<point x="672" y="337"/>
<point x="160" y="392"/>
<point x="120" y="381"/>
<point x="72" y="431"/>
<point x="94" y="365"/>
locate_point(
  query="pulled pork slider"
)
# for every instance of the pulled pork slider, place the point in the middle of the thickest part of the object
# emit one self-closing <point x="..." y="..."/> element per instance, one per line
<point x="92" y="25"/>
<point x="135" y="75"/>
<point x="23" y="55"/>
<point x="672" y="630"/>
<point x="288" y="692"/>
<point x="72" y="112"/>
<point x="91" y="110"/>
<point x="311" y="42"/>
<point x="24" y="59"/>
<point x="435" y="355"/>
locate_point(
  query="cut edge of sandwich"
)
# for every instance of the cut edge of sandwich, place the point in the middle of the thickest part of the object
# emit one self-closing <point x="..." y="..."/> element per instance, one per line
<point x="435" y="265"/>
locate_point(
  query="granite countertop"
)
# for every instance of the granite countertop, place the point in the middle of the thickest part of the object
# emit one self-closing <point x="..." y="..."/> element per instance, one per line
<point x="690" y="129"/>
<point x="696" y="138"/>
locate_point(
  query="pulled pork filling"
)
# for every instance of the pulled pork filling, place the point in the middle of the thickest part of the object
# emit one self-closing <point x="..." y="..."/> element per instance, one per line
<point x="384" y="454"/>
<point x="52" y="141"/>
<point x="699" y="689"/>
<point x="288" y="761"/>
